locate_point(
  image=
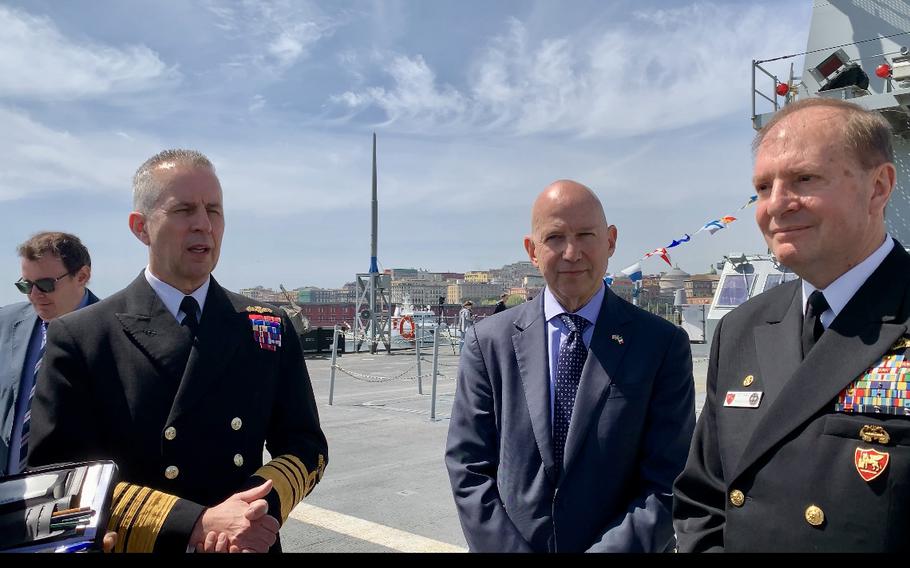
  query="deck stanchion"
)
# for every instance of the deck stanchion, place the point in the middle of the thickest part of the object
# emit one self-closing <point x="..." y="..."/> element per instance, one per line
<point x="435" y="366"/>
<point x="334" y="356"/>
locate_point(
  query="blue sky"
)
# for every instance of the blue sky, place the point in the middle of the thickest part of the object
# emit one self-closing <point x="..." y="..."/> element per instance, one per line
<point x="477" y="105"/>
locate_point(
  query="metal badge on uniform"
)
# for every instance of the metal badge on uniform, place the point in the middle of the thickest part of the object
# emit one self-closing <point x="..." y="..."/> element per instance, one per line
<point x="870" y="463"/>
<point x="266" y="331"/>
<point x="743" y="399"/>
<point x="259" y="309"/>
<point x="902" y="343"/>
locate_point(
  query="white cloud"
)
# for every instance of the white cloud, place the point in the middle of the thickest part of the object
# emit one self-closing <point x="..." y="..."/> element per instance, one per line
<point x="669" y="69"/>
<point x="292" y="43"/>
<point x="36" y="159"/>
<point x="38" y="62"/>
<point x="275" y="36"/>
<point x="257" y="104"/>
<point x="415" y="96"/>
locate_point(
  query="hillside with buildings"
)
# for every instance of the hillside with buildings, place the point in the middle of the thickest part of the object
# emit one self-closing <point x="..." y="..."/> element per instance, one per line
<point x="325" y="307"/>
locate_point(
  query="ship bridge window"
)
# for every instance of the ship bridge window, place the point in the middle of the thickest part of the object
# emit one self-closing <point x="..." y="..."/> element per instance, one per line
<point x="734" y="289"/>
<point x="773" y="280"/>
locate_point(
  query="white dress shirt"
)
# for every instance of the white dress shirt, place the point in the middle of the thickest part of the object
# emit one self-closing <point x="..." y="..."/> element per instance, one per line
<point x="171" y="297"/>
<point x="839" y="292"/>
<point x="558" y="333"/>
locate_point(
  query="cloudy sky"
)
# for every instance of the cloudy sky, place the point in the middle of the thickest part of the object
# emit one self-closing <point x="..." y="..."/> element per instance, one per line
<point x="477" y="105"/>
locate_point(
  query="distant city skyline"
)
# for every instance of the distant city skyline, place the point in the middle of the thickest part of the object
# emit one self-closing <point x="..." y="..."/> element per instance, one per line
<point x="477" y="107"/>
<point x="276" y="287"/>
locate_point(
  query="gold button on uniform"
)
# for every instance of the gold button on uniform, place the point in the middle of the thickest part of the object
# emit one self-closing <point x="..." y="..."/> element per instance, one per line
<point x="170" y="433"/>
<point x="238" y="460"/>
<point x="748" y="380"/>
<point x="737" y="498"/>
<point x="814" y="516"/>
<point x="236" y="423"/>
<point x="171" y="472"/>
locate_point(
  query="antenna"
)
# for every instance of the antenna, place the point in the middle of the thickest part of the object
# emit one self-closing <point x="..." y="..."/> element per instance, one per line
<point x="373" y="310"/>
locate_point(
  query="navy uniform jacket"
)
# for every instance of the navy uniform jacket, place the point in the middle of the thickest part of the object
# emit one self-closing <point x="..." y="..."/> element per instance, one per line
<point x="628" y="436"/>
<point x="17" y="323"/>
<point x="784" y="476"/>
<point x="185" y="422"/>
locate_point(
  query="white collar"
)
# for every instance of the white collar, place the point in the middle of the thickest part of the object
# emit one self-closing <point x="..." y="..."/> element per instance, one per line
<point x="552" y="307"/>
<point x="839" y="292"/>
<point x="171" y="297"/>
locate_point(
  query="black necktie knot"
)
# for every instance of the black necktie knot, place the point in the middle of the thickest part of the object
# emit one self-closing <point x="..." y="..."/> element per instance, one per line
<point x="817" y="303"/>
<point x="190" y="307"/>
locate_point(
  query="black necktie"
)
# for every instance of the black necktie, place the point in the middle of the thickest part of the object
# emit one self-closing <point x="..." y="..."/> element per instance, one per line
<point x="812" y="322"/>
<point x="189" y="306"/>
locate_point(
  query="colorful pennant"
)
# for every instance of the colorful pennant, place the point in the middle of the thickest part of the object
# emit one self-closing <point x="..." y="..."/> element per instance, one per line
<point x="711" y="227"/>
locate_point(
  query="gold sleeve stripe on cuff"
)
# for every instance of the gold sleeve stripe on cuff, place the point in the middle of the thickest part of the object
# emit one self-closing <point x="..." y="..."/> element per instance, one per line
<point x="122" y="500"/>
<point x="138" y="513"/>
<point x="293" y="477"/>
<point x="300" y="471"/>
<point x="291" y="480"/>
<point x="286" y="480"/>
<point x="117" y="511"/>
<point x="132" y="530"/>
<point x="282" y="486"/>
<point x="149" y="522"/>
<point x="311" y="478"/>
<point x="119" y="489"/>
<point x="125" y="510"/>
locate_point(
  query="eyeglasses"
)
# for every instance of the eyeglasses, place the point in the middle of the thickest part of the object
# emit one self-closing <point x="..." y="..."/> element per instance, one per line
<point x="46" y="285"/>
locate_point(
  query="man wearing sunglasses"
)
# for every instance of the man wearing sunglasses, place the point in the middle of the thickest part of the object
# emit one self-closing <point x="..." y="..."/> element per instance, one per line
<point x="181" y="383"/>
<point x="55" y="270"/>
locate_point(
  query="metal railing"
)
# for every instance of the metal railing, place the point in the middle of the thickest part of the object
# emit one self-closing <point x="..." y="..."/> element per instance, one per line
<point x="404" y="375"/>
<point x="774" y="82"/>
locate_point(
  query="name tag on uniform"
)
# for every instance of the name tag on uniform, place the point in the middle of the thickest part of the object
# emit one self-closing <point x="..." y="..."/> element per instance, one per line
<point x="743" y="399"/>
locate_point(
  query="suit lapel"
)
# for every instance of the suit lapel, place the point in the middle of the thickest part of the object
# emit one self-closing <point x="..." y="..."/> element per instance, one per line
<point x="21" y="331"/>
<point x="220" y="330"/>
<point x="603" y="362"/>
<point x="23" y="327"/>
<point x="530" y="343"/>
<point x="154" y="329"/>
<point x="777" y="347"/>
<point x="870" y="323"/>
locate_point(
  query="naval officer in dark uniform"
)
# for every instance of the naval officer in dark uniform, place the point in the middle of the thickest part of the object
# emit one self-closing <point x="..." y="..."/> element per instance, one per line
<point x="804" y="440"/>
<point x="181" y="382"/>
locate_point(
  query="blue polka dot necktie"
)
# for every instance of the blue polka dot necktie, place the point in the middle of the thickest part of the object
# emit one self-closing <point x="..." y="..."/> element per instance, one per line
<point x="572" y="355"/>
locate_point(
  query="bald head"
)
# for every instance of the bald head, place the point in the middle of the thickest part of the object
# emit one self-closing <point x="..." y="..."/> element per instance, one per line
<point x="570" y="242"/>
<point x="561" y="194"/>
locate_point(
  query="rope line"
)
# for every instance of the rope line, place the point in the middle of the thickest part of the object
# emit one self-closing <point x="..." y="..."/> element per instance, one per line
<point x="834" y="47"/>
<point x="381" y="379"/>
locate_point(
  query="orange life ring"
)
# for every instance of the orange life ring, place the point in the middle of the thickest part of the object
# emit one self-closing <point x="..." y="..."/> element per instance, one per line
<point x="409" y="335"/>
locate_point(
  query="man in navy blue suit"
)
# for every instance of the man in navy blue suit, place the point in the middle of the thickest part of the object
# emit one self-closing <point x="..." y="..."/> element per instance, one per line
<point x="55" y="270"/>
<point x="573" y="412"/>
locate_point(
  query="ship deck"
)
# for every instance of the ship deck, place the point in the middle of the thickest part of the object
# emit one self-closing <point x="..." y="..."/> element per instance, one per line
<point x="385" y="488"/>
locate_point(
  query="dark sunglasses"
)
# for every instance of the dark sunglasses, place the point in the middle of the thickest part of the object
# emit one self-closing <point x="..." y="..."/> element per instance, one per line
<point x="46" y="285"/>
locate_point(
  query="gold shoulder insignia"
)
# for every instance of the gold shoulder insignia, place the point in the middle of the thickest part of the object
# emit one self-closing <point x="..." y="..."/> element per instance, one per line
<point x="259" y="309"/>
<point x="902" y="343"/>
